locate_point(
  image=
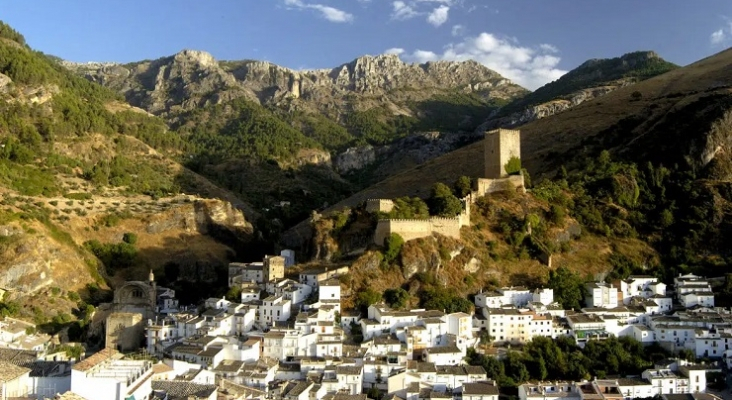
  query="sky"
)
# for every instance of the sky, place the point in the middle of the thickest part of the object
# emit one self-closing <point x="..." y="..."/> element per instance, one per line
<point x="531" y="42"/>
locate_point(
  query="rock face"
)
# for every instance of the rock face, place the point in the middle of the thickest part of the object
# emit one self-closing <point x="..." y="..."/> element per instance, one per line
<point x="543" y="110"/>
<point x="191" y="79"/>
<point x="409" y="151"/>
<point x="4" y="82"/>
<point x="33" y="261"/>
<point x="592" y="79"/>
<point x="204" y="217"/>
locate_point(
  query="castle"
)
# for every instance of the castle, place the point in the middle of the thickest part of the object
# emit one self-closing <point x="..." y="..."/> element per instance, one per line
<point x="500" y="146"/>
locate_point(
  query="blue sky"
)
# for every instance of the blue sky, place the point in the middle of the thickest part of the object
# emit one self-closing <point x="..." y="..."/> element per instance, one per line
<point x="529" y="41"/>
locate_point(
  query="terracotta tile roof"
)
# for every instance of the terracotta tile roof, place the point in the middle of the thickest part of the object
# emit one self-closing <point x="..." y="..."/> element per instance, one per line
<point x="161" y="368"/>
<point x="96" y="359"/>
<point x="183" y="389"/>
<point x="8" y="371"/>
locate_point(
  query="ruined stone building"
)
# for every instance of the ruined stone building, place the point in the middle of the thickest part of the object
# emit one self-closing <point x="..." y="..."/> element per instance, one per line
<point x="134" y="303"/>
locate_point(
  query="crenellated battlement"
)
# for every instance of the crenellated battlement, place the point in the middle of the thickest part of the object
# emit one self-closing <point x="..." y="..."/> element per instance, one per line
<point x="410" y="229"/>
<point x="500" y="147"/>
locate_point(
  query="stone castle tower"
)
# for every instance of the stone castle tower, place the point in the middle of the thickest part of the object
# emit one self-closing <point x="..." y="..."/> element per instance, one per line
<point x="274" y="268"/>
<point x="500" y="145"/>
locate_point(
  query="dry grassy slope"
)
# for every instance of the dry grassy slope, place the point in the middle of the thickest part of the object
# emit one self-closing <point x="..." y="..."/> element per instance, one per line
<point x="35" y="256"/>
<point x="472" y="267"/>
<point x="562" y="135"/>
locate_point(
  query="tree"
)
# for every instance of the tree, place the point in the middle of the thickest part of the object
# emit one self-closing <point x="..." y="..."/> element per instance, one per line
<point x="366" y="298"/>
<point x="234" y="294"/>
<point x="463" y="186"/>
<point x="438" y="298"/>
<point x="513" y="166"/>
<point x="392" y="247"/>
<point x="396" y="298"/>
<point x="568" y="288"/>
<point x="443" y="203"/>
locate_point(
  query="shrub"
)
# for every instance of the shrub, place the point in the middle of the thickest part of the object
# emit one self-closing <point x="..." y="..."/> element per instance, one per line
<point x="513" y="166"/>
<point x="392" y="247"/>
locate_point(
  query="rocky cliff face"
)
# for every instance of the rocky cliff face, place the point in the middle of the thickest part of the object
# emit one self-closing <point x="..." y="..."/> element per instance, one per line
<point x="592" y="79"/>
<point x="412" y="150"/>
<point x="543" y="110"/>
<point x="191" y="79"/>
<point x="32" y="260"/>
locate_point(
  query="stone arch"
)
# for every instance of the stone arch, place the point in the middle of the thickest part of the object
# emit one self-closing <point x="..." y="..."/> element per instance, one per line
<point x="134" y="293"/>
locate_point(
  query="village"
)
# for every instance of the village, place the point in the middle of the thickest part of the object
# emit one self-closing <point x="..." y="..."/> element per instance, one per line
<point x="288" y="337"/>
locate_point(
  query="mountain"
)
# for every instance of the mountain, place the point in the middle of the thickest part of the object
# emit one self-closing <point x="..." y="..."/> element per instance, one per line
<point x="272" y="134"/>
<point x="192" y="79"/>
<point x="594" y="78"/>
<point x="91" y="193"/>
<point x="650" y="161"/>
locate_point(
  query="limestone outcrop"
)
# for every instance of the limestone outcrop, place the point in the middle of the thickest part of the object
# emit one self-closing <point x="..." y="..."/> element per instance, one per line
<point x="191" y="79"/>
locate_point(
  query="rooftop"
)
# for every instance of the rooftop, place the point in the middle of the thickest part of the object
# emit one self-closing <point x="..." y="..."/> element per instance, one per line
<point x="479" y="389"/>
<point x="183" y="389"/>
<point x="8" y="371"/>
<point x="96" y="359"/>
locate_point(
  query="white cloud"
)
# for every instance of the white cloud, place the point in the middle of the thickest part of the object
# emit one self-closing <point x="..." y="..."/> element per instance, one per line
<point x="435" y="11"/>
<point x="458" y="30"/>
<point x="526" y="66"/>
<point x="332" y="14"/>
<point x="549" y="48"/>
<point x="438" y="16"/>
<point x="422" y="56"/>
<point x="394" y="50"/>
<point x="722" y="35"/>
<point x="717" y="37"/>
<point x="402" y="10"/>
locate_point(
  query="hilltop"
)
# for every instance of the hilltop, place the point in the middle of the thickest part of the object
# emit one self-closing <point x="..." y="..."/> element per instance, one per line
<point x="649" y="160"/>
<point x="84" y="175"/>
<point x="593" y="78"/>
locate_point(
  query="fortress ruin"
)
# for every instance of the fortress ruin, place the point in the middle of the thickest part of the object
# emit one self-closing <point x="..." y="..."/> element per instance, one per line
<point x="501" y="147"/>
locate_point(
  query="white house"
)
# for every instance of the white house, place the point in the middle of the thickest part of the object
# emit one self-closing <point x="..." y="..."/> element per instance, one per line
<point x="443" y="355"/>
<point x="274" y="309"/>
<point x="601" y="294"/>
<point x="105" y="376"/>
<point x="544" y="296"/>
<point x="641" y="285"/>
<point x="350" y="378"/>
<point x="280" y="344"/>
<point x="14" y="381"/>
<point x="549" y="391"/>
<point x="700" y="298"/>
<point x="479" y="391"/>
<point x="329" y="290"/>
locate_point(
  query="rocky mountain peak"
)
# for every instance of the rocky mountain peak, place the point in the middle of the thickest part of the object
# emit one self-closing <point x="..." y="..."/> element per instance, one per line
<point x="203" y="58"/>
<point x="192" y="78"/>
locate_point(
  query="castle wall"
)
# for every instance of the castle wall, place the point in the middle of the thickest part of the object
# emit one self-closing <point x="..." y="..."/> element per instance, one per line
<point x="446" y="226"/>
<point x="488" y="186"/>
<point x="379" y="205"/>
<point x="408" y="229"/>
